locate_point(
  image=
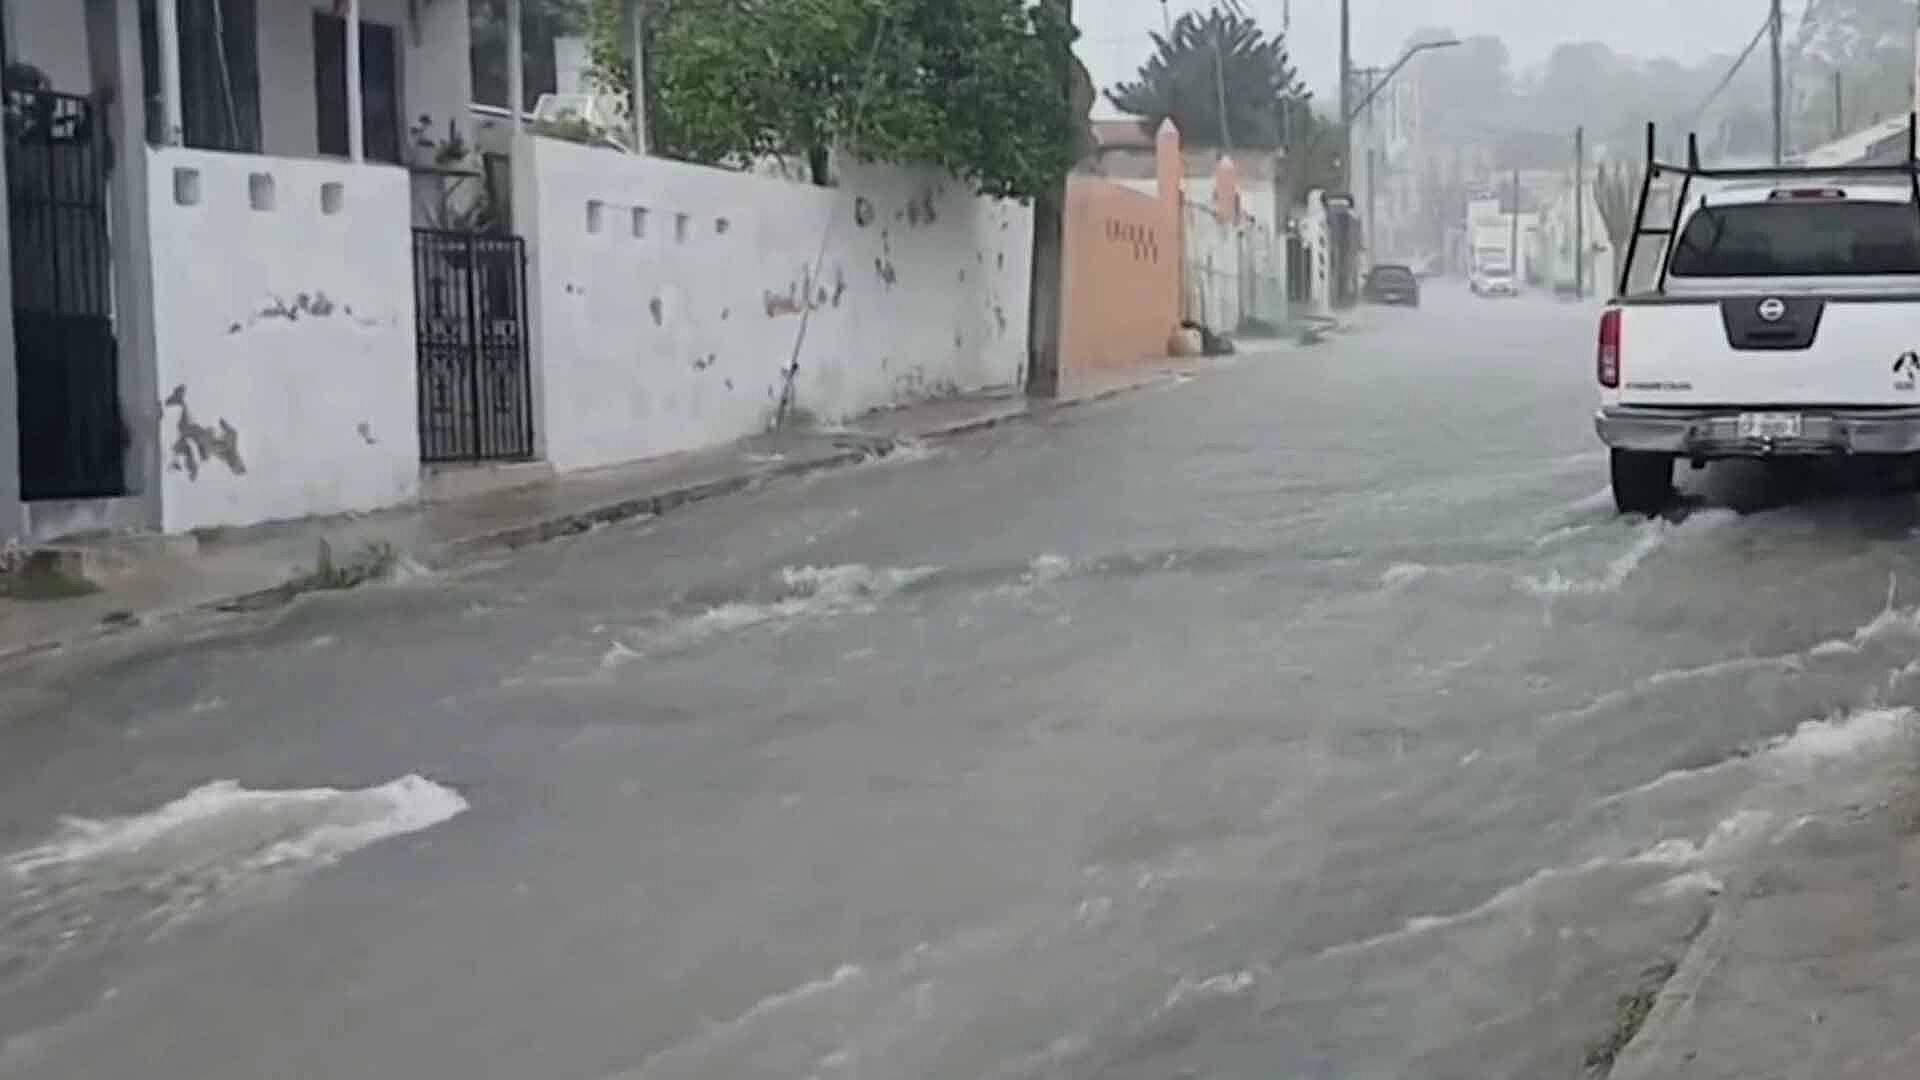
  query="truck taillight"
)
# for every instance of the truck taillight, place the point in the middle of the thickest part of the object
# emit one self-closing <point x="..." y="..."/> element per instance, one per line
<point x="1607" y="361"/>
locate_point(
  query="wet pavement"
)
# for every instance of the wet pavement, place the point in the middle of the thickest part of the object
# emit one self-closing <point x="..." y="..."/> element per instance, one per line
<point x="1316" y="717"/>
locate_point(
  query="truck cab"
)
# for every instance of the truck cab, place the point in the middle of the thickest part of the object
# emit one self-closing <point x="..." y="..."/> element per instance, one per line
<point x="1779" y="317"/>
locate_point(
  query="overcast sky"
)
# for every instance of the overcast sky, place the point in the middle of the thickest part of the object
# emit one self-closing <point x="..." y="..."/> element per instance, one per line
<point x="1115" y="40"/>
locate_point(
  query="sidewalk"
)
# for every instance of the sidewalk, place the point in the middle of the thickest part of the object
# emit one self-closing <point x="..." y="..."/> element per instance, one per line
<point x="150" y="579"/>
<point x="1809" y="966"/>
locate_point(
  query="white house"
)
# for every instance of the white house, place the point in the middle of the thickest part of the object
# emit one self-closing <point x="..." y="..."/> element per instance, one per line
<point x="213" y="263"/>
<point x="248" y="284"/>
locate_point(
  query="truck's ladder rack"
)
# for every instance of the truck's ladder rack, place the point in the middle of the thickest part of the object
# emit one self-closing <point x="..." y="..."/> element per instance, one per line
<point x="1692" y="170"/>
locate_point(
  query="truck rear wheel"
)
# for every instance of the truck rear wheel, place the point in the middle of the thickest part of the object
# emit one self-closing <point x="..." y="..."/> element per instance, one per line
<point x="1642" y="482"/>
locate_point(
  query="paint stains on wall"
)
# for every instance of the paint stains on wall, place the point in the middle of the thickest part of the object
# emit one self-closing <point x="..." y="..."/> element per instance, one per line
<point x="195" y="444"/>
<point x="921" y="210"/>
<point x="889" y="275"/>
<point x="806" y="295"/>
<point x="304" y="305"/>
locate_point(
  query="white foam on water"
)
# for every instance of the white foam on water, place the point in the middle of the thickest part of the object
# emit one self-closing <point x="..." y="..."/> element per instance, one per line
<point x="1228" y="985"/>
<point x="1400" y="575"/>
<point x="1652" y="537"/>
<point x="843" y="976"/>
<point x="1560" y="536"/>
<point x="1840" y="737"/>
<point x="225" y="826"/>
<point x="804" y="592"/>
<point x="1043" y="571"/>
<point x="1050" y="567"/>
<point x="1732" y="833"/>
<point x="1592" y="504"/>
<point x="1691" y="883"/>
<point x="97" y="880"/>
<point x="618" y="656"/>
<point x="719" y="1033"/>
<point x="407" y="570"/>
<point x="1679" y="853"/>
<point x="1677" y="676"/>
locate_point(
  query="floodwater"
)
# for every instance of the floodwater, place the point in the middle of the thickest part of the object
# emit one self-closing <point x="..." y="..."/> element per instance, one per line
<point x="1313" y="718"/>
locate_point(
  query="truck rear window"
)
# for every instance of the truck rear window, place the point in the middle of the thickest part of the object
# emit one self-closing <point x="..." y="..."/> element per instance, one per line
<point x="1792" y="239"/>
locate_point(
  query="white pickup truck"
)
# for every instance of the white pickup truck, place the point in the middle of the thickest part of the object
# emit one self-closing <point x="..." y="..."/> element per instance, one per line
<point x="1783" y="321"/>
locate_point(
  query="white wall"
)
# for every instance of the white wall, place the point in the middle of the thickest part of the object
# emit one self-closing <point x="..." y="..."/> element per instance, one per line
<point x="52" y="36"/>
<point x="290" y="328"/>
<point x="436" y="74"/>
<point x="1316" y="235"/>
<point x="677" y="339"/>
<point x="1213" y="273"/>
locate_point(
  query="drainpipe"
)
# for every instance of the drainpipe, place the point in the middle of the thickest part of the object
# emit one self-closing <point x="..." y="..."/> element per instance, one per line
<point x="356" y="119"/>
<point x="173" y="131"/>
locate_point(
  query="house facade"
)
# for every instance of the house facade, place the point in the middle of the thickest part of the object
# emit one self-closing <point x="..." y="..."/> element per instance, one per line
<point x="214" y="265"/>
<point x="261" y="268"/>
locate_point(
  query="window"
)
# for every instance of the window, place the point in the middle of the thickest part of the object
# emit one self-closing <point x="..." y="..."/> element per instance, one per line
<point x="379" y="87"/>
<point x="219" y="74"/>
<point x="1813" y="239"/>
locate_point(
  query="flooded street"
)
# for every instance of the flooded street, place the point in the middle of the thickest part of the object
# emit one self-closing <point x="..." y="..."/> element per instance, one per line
<point x="1317" y="717"/>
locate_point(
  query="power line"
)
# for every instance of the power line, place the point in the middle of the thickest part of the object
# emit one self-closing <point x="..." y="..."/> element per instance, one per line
<point x="1727" y="79"/>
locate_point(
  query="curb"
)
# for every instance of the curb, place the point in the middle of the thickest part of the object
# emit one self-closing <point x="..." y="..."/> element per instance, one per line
<point x="853" y="451"/>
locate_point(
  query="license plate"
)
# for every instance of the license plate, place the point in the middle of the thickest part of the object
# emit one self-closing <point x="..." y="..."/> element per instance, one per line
<point x="1769" y="425"/>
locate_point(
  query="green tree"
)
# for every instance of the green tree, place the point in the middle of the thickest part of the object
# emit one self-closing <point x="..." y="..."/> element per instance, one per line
<point x="1870" y="44"/>
<point x="1206" y="58"/>
<point x="974" y="86"/>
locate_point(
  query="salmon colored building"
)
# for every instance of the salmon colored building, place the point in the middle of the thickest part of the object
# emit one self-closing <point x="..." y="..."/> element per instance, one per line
<point x="1123" y="260"/>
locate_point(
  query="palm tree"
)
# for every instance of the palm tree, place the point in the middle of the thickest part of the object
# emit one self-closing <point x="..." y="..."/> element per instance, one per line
<point x="1205" y="58"/>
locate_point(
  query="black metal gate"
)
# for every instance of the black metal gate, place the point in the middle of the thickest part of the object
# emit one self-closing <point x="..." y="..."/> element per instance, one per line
<point x="470" y="292"/>
<point x="72" y="440"/>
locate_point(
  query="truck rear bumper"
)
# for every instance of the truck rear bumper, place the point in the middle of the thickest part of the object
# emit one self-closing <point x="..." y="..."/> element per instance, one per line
<point x="1715" y="433"/>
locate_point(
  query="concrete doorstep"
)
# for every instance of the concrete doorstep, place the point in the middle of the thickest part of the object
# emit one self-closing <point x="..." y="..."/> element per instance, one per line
<point x="63" y="594"/>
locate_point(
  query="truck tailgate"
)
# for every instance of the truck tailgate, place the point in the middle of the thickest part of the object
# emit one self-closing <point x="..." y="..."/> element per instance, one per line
<point x="1820" y="351"/>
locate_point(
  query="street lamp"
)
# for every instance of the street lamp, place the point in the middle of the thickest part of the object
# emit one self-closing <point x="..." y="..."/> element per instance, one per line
<point x="1444" y="43"/>
<point x="1349" y="112"/>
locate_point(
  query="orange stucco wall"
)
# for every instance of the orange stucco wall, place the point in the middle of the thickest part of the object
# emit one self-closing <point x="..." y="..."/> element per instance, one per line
<point x="1122" y="286"/>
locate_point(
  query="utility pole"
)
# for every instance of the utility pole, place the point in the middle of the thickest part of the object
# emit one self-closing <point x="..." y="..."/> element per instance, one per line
<point x="639" y="103"/>
<point x="1343" y="255"/>
<point x="1047" y="270"/>
<point x="1839" y="106"/>
<point x="1580" y="213"/>
<point x="1373" y="222"/>
<point x="1346" y="95"/>
<point x="1513" y="249"/>
<point x="1774" y="26"/>
<point x="1220" y="88"/>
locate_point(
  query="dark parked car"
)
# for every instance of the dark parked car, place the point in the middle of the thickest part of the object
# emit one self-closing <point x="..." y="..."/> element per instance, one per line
<point x="1393" y="284"/>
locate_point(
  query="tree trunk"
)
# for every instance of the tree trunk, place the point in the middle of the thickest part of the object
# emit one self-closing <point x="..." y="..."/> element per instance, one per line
<point x="820" y="166"/>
